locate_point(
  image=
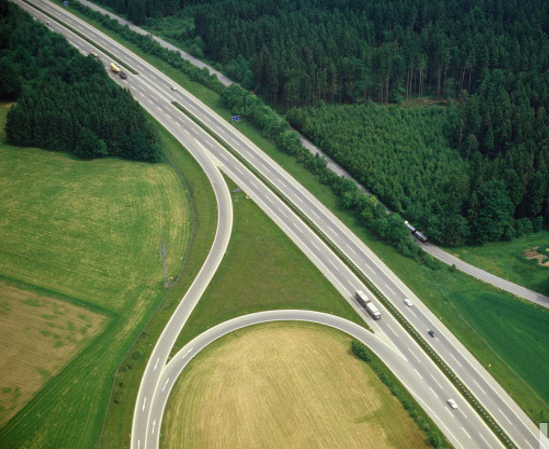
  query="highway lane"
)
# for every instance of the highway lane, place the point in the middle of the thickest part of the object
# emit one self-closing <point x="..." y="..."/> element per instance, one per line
<point x="435" y="251"/>
<point x="425" y="394"/>
<point x="160" y="353"/>
<point x="385" y="282"/>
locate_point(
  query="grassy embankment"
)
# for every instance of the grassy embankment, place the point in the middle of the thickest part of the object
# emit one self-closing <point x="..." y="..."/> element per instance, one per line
<point x="284" y="385"/>
<point x="262" y="270"/>
<point x="511" y="345"/>
<point x="80" y="243"/>
<point x="508" y="260"/>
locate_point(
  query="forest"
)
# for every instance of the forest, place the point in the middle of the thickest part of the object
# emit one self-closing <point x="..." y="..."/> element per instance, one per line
<point x="65" y="101"/>
<point x="487" y="60"/>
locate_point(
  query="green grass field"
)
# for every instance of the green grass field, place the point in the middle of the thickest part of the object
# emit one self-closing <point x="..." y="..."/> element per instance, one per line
<point x="88" y="233"/>
<point x="450" y="295"/>
<point x="262" y="270"/>
<point x="507" y="260"/>
<point x="284" y="385"/>
<point x="204" y="219"/>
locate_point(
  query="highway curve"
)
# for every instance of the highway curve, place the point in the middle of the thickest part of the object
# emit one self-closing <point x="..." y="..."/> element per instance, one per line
<point x="151" y="88"/>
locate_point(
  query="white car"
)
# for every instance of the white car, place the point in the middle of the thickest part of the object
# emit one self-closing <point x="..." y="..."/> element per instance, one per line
<point x="452" y="404"/>
<point x="408" y="302"/>
<point x="173" y="88"/>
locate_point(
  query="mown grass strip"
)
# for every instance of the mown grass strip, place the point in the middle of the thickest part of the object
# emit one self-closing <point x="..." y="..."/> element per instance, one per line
<point x="82" y="36"/>
<point x="371" y="286"/>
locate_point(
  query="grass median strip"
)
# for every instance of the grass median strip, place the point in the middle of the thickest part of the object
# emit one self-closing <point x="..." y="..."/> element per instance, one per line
<point x="371" y="286"/>
<point x="82" y="36"/>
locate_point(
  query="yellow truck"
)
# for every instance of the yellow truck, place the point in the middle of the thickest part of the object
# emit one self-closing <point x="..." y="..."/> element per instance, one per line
<point x="115" y="68"/>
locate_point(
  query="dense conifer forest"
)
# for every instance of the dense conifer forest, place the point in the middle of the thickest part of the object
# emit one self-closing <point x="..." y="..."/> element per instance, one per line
<point x="65" y="101"/>
<point x="488" y="59"/>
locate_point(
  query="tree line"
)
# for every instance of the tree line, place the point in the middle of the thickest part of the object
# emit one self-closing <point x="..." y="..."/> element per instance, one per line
<point x="65" y="101"/>
<point x="301" y="51"/>
<point x="406" y="157"/>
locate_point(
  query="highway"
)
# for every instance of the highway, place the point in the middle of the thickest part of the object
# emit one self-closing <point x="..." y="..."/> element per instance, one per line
<point x="464" y="428"/>
<point x="399" y="365"/>
<point x="435" y="251"/>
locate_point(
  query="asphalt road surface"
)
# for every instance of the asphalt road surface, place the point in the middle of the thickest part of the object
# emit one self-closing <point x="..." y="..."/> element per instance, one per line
<point x="435" y="251"/>
<point x="464" y="429"/>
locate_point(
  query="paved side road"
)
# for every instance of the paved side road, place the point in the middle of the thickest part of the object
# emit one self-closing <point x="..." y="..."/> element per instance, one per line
<point x="484" y="276"/>
<point x="436" y="252"/>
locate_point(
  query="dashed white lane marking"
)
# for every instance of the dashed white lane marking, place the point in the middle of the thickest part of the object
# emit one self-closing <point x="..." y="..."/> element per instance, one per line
<point x="390" y="289"/>
<point x="333" y="265"/>
<point x="166" y="384"/>
<point x="465" y="432"/>
<point x="433" y="392"/>
<point x="505" y="416"/>
<point x="418" y="374"/>
<point x="456" y="360"/>
<point x="436" y="381"/>
<point x="481" y="389"/>
<point x="352" y="250"/>
<point x="156" y="364"/>
<point x="487" y="445"/>
<point x="184" y="355"/>
<point x="414" y="354"/>
<point x="153" y="426"/>
<point x="144" y="404"/>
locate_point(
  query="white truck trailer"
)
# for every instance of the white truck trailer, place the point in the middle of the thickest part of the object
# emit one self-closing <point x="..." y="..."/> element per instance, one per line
<point x="367" y="303"/>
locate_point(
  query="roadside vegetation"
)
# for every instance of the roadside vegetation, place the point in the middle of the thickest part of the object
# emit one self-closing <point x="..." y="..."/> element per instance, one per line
<point x="81" y="239"/>
<point x="491" y="59"/>
<point x="262" y="270"/>
<point x="284" y="385"/>
<point x="523" y="261"/>
<point x="451" y="295"/>
<point x="118" y="421"/>
<point x="62" y="96"/>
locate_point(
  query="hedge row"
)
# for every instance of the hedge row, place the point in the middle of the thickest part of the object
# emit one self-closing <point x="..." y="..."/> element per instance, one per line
<point x="434" y="436"/>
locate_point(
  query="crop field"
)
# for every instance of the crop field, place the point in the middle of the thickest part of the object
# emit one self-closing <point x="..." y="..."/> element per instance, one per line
<point x="524" y="261"/>
<point x="284" y="385"/>
<point x="48" y="332"/>
<point x="89" y="234"/>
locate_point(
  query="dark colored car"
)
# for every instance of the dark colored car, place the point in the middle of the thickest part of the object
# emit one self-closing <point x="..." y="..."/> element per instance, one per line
<point x="431" y="333"/>
<point x="123" y="75"/>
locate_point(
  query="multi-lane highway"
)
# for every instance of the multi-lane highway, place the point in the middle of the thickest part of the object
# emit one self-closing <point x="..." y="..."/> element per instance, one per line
<point x="463" y="427"/>
<point x="435" y="251"/>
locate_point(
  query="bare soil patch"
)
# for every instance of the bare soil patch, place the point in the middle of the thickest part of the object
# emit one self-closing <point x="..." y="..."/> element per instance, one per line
<point x="536" y="253"/>
<point x="39" y="336"/>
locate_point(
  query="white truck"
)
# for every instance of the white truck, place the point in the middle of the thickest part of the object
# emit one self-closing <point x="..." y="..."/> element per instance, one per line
<point x="367" y="303"/>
